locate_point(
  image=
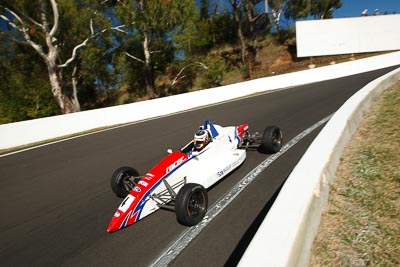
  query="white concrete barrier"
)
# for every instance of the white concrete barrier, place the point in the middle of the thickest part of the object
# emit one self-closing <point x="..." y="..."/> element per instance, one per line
<point x="347" y="35"/>
<point x="27" y="132"/>
<point x="286" y="235"/>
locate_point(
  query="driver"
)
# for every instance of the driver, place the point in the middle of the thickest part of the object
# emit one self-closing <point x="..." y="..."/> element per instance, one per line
<point x="201" y="140"/>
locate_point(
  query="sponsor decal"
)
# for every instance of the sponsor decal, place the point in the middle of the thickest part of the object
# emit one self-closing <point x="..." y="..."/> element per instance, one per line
<point x="117" y="214"/>
<point x="224" y="171"/>
<point x="238" y="161"/>
<point x="147" y="178"/>
<point x="230" y="166"/>
<point x="137" y="189"/>
<point x="175" y="164"/>
<point x="145" y="184"/>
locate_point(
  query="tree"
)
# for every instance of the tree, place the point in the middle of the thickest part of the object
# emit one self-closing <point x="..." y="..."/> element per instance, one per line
<point x="266" y="12"/>
<point x="205" y="32"/>
<point x="277" y="7"/>
<point x="323" y="9"/>
<point x="245" y="15"/>
<point x="253" y="16"/>
<point x="39" y="25"/>
<point x="153" y="23"/>
<point x="204" y="6"/>
<point x="237" y="15"/>
<point x="297" y="9"/>
<point x="24" y="91"/>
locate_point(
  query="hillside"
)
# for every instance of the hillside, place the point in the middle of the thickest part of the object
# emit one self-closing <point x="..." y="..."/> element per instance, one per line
<point x="274" y="58"/>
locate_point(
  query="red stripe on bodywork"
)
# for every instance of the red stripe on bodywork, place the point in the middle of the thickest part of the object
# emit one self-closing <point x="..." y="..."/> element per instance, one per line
<point x="142" y="190"/>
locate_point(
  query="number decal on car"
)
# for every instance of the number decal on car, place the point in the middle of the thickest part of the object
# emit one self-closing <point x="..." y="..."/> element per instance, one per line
<point x="126" y="203"/>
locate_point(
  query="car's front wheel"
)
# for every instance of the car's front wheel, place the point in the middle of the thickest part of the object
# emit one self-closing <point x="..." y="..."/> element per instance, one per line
<point x="123" y="180"/>
<point x="272" y="139"/>
<point x="191" y="204"/>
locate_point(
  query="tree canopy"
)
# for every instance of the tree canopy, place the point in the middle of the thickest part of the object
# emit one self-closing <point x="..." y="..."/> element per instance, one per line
<point x="62" y="56"/>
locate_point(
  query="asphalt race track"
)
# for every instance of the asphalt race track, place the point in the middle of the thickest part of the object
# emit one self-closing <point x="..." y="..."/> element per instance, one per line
<point x="56" y="200"/>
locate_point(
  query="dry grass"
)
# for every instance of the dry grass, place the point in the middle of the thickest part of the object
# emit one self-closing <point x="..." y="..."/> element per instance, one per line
<point x="361" y="226"/>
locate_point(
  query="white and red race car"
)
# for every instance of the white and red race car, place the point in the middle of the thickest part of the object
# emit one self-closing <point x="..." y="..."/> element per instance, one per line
<point x="179" y="181"/>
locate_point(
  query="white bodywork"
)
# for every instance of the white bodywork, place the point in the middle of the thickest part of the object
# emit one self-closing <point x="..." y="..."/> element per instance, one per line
<point x="215" y="161"/>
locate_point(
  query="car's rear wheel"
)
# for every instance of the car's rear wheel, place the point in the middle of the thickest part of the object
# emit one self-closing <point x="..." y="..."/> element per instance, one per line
<point x="123" y="180"/>
<point x="191" y="204"/>
<point x="272" y="139"/>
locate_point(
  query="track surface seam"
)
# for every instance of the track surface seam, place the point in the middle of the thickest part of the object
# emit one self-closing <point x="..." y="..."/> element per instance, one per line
<point x="191" y="233"/>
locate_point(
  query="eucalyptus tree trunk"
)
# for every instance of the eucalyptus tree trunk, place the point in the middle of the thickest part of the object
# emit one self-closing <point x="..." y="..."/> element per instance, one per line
<point x="148" y="69"/>
<point x="68" y="103"/>
<point x="277" y="7"/>
<point x="24" y="24"/>
<point x="266" y="11"/>
<point x="243" y="47"/>
<point x="40" y="34"/>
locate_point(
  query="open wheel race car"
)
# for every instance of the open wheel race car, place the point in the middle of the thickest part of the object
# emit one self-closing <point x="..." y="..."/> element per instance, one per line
<point x="179" y="181"/>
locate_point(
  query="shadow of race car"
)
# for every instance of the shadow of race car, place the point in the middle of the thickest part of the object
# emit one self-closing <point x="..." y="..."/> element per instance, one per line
<point x="179" y="182"/>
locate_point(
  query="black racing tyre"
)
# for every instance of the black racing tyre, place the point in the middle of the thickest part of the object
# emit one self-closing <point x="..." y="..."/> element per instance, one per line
<point x="272" y="140"/>
<point x="191" y="204"/>
<point x="123" y="180"/>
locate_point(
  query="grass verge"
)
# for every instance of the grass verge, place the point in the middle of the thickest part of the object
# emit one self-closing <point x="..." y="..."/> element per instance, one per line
<point x="361" y="225"/>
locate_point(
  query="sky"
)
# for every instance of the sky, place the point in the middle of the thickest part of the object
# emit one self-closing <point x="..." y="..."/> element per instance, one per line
<point x="350" y="8"/>
<point x="354" y="8"/>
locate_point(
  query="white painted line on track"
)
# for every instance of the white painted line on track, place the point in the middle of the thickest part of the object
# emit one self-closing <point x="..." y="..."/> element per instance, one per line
<point x="191" y="233"/>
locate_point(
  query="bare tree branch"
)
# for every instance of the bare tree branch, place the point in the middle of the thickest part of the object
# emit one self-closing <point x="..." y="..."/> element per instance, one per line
<point x="177" y="78"/>
<point x="23" y="30"/>
<point x="277" y="10"/>
<point x="42" y="8"/>
<point x="250" y="16"/>
<point x="91" y="27"/>
<point x="74" y="53"/>
<point x="56" y="18"/>
<point x="12" y="24"/>
<point x="85" y="42"/>
<point x="23" y="14"/>
<point x="12" y="37"/>
<point x="133" y="57"/>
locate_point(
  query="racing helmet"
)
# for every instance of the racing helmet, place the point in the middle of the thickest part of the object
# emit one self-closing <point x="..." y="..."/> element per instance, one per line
<point x="200" y="140"/>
